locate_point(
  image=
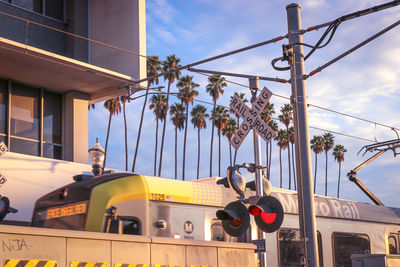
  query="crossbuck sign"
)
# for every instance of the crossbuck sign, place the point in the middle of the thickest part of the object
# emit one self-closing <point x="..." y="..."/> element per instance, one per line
<point x="251" y="119"/>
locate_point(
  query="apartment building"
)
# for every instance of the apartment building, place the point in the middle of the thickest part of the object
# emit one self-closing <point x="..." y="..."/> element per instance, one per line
<point x="56" y="58"/>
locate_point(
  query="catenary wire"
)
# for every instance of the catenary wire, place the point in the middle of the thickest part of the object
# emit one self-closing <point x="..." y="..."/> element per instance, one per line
<point x="277" y="119"/>
<point x="347" y="17"/>
<point x="352" y="49"/>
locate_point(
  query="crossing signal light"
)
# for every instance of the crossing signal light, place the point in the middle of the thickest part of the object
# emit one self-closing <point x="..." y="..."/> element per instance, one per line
<point x="268" y="214"/>
<point x="235" y="218"/>
<point x="5" y="207"/>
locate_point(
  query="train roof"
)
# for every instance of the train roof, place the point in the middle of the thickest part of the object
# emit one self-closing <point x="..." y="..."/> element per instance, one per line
<point x="207" y="192"/>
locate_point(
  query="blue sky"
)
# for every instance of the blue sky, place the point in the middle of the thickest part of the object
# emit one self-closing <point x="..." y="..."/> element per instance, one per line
<point x="364" y="84"/>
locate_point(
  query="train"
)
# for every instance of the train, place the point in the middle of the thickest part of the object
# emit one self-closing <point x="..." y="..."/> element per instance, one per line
<point x="135" y="204"/>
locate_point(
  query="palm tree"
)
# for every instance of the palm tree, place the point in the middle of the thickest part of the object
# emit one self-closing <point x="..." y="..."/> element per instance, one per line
<point x="159" y="105"/>
<point x="114" y="107"/>
<point x="124" y="99"/>
<point x="199" y="116"/>
<point x="292" y="140"/>
<point x="178" y="117"/>
<point x="186" y="94"/>
<point x="215" y="86"/>
<point x="169" y="65"/>
<point x="338" y="153"/>
<point x="266" y="115"/>
<point x="153" y="68"/>
<point x="282" y="142"/>
<point x="286" y="117"/>
<point x="220" y="118"/>
<point x="274" y="126"/>
<point x="317" y="145"/>
<point x="328" y="145"/>
<point x="241" y="96"/>
<point x="229" y="130"/>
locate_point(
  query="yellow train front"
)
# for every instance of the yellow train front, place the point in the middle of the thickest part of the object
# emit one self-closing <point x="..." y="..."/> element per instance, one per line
<point x="137" y="204"/>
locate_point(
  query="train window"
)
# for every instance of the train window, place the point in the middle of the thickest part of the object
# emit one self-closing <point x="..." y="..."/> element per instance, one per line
<point x="392" y="242"/>
<point x="217" y="232"/>
<point x="130" y="226"/>
<point x="346" y="244"/>
<point x="291" y="248"/>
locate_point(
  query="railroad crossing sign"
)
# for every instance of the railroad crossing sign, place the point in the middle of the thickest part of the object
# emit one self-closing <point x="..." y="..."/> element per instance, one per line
<point x="251" y="119"/>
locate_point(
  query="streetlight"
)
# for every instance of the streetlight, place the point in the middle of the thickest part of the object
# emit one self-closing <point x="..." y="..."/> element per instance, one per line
<point x="97" y="158"/>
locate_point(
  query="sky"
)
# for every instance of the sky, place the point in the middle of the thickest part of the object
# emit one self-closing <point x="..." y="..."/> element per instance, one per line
<point x="364" y="84"/>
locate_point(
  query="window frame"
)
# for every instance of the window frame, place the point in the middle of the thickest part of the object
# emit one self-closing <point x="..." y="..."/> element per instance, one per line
<point x="319" y="245"/>
<point x="43" y="11"/>
<point x="7" y="136"/>
<point x="348" y="234"/>
<point x="397" y="241"/>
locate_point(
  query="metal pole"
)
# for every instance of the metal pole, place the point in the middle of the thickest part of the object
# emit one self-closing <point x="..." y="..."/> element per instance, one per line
<point x="258" y="175"/>
<point x="303" y="156"/>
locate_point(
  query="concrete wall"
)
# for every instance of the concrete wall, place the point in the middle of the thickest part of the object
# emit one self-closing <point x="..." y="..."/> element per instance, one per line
<point x="122" y="24"/>
<point x="65" y="247"/>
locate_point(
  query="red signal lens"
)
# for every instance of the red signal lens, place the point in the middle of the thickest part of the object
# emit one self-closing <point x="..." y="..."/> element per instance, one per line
<point x="236" y="222"/>
<point x="255" y="211"/>
<point x="268" y="217"/>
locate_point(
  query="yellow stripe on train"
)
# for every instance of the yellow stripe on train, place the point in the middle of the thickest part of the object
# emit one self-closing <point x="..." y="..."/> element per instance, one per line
<point x="29" y="263"/>
<point x="88" y="264"/>
<point x="129" y="265"/>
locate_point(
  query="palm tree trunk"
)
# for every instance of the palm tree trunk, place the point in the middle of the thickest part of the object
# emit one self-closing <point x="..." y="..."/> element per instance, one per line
<point x="212" y="139"/>
<point x="280" y="165"/>
<point x="198" y="152"/>
<point x="184" y="144"/>
<point x="326" y="173"/>
<point x="163" y="133"/>
<point x="338" y="183"/>
<point x="155" y="150"/>
<point x="126" y="139"/>
<point x="269" y="159"/>
<point x="288" y="147"/>
<point x="140" y="126"/>
<point x="230" y="152"/>
<point x="219" y="153"/>
<point x="234" y="158"/>
<point x="294" y="169"/>
<point x="108" y="134"/>
<point x="315" y="172"/>
<point x="176" y="153"/>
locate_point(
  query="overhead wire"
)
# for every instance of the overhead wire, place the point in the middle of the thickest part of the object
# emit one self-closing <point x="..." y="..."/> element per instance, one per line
<point x="277" y="119"/>
<point x="332" y="28"/>
<point x="351" y="50"/>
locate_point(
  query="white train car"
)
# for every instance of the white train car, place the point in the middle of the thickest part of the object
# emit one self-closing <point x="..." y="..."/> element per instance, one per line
<point x="152" y="206"/>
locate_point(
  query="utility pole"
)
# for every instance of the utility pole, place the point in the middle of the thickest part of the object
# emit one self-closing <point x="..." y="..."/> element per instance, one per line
<point x="303" y="155"/>
<point x="258" y="175"/>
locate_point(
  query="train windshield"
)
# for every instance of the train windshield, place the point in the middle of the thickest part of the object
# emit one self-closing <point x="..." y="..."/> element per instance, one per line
<point x="70" y="216"/>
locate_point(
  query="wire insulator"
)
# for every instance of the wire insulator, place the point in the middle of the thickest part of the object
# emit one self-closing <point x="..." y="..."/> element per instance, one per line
<point x="282" y="80"/>
<point x="310" y="29"/>
<point x="278" y="38"/>
<point x="313" y="72"/>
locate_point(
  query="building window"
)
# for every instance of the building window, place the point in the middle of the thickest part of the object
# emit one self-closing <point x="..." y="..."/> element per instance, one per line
<point x="50" y="8"/>
<point x="347" y="244"/>
<point x="393" y="239"/>
<point x="33" y="125"/>
<point x="291" y="248"/>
